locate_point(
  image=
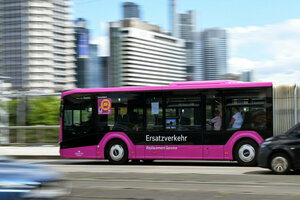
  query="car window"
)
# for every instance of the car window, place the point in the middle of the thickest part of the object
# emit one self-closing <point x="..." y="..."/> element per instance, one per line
<point x="295" y="132"/>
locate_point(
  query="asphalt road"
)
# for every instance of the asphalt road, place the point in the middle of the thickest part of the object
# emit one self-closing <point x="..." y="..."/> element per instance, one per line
<point x="174" y="180"/>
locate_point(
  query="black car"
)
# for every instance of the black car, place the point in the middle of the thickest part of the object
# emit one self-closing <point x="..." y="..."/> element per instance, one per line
<point x="281" y="153"/>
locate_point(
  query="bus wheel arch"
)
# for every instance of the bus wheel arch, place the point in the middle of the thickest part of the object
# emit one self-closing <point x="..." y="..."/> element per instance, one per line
<point x="245" y="151"/>
<point x="116" y="151"/>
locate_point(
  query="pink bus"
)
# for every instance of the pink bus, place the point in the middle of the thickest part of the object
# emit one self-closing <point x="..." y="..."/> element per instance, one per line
<point x="210" y="120"/>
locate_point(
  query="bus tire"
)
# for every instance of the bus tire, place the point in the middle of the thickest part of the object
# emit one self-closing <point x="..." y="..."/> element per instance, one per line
<point x="245" y="152"/>
<point x="117" y="152"/>
<point x="280" y="163"/>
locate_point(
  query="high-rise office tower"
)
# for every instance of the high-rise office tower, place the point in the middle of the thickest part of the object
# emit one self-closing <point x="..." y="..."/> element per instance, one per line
<point x="141" y="55"/>
<point x="186" y="26"/>
<point x="94" y="69"/>
<point x="130" y="10"/>
<point x="104" y="65"/>
<point x="82" y="52"/>
<point x="88" y="68"/>
<point x="37" y="45"/>
<point x="198" y="58"/>
<point x="210" y="54"/>
<point x="183" y="25"/>
<point x="173" y="18"/>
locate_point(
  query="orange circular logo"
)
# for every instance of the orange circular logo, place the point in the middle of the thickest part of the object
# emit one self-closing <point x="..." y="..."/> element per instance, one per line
<point x="105" y="105"/>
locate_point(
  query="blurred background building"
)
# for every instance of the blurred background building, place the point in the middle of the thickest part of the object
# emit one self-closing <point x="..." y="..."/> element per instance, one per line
<point x="173" y="18"/>
<point x="95" y="70"/>
<point x="230" y="76"/>
<point x="183" y="25"/>
<point x="82" y="51"/>
<point x="37" y="45"/>
<point x="210" y="54"/>
<point x="88" y="67"/>
<point x="130" y="10"/>
<point x="198" y="58"/>
<point x="104" y="64"/>
<point x="141" y="55"/>
<point x="186" y="26"/>
<point x="247" y="76"/>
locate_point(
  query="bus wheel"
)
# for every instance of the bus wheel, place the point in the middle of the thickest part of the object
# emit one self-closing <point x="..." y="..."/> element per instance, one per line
<point x="245" y="152"/>
<point x="280" y="163"/>
<point x="117" y="152"/>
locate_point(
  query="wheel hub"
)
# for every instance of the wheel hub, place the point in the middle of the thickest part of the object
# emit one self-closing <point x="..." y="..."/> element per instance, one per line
<point x="246" y="153"/>
<point x="116" y="152"/>
<point x="279" y="164"/>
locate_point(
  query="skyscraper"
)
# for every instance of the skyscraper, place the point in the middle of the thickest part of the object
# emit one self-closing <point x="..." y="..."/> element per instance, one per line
<point x="130" y="10"/>
<point x="104" y="65"/>
<point x="94" y="70"/>
<point x="183" y="25"/>
<point x="173" y="18"/>
<point x="82" y="52"/>
<point x="198" y="72"/>
<point x="186" y="26"/>
<point x="210" y="54"/>
<point x="141" y="55"/>
<point x="36" y="45"/>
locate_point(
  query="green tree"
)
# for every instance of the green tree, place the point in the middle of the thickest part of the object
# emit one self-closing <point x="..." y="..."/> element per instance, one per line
<point x="43" y="111"/>
<point x="12" y="109"/>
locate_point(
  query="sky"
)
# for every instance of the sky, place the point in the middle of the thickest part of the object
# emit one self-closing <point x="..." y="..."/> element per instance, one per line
<point x="263" y="35"/>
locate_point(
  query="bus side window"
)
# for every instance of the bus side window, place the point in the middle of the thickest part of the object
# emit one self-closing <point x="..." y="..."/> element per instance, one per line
<point x="77" y="119"/>
<point x="127" y="112"/>
<point x="78" y="116"/>
<point x="154" y="113"/>
<point x="248" y="107"/>
<point x="213" y="111"/>
<point x="183" y="111"/>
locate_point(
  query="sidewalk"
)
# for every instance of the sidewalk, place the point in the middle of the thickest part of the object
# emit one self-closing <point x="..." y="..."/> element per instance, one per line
<point x="31" y="152"/>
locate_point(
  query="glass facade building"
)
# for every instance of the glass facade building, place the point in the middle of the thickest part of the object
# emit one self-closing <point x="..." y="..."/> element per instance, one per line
<point x="94" y="71"/>
<point x="82" y="52"/>
<point x="210" y="54"/>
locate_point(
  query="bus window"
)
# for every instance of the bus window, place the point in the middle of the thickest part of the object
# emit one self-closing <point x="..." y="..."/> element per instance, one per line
<point x="78" y="118"/>
<point x="249" y="109"/>
<point x="154" y="114"/>
<point x="127" y="112"/>
<point x="81" y="115"/>
<point x="213" y="113"/>
<point x="182" y="111"/>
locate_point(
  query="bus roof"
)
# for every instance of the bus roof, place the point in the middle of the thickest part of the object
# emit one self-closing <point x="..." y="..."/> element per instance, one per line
<point x="175" y="86"/>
